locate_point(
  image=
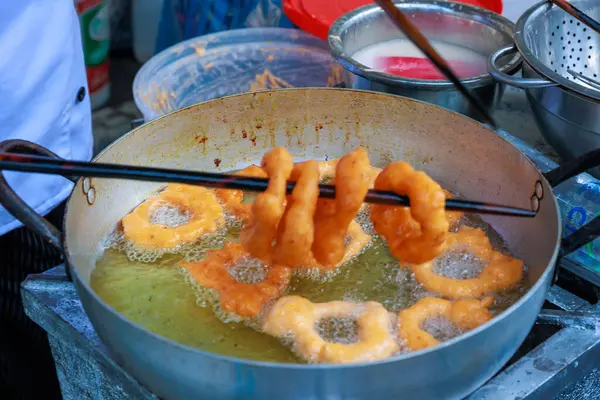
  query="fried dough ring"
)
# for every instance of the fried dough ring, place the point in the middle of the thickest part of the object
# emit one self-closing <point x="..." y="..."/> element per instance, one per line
<point x="416" y="234"/>
<point x="206" y="216"/>
<point x="356" y="240"/>
<point x="268" y="208"/>
<point x="501" y="272"/>
<point x="297" y="316"/>
<point x="453" y="217"/>
<point x="243" y="299"/>
<point x="333" y="217"/>
<point x="327" y="173"/>
<point x="465" y="314"/>
<point x="232" y="198"/>
<point x="296" y="228"/>
<point x="295" y="232"/>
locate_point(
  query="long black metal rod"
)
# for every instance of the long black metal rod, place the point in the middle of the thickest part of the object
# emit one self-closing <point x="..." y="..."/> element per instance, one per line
<point x="578" y="14"/>
<point x="46" y="165"/>
<point x="413" y="33"/>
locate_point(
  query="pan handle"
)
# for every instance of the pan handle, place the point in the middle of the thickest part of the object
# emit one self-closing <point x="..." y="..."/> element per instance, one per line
<point x="560" y="174"/>
<point x="515" y="81"/>
<point x="573" y="167"/>
<point x="13" y="202"/>
<point x="580" y="237"/>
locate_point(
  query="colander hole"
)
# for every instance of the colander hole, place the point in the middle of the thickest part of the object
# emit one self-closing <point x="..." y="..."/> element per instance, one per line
<point x="590" y="47"/>
<point x="578" y="24"/>
<point x="574" y="64"/>
<point x="564" y="47"/>
<point x="585" y="66"/>
<point x="569" y="42"/>
<point x="550" y="43"/>
<point x="551" y="62"/>
<point x="584" y="29"/>
<point x="570" y="21"/>
<point x="589" y="57"/>
<point x="589" y="37"/>
<point x="570" y="56"/>
<point x="562" y="65"/>
<point x="572" y="50"/>
<point x="564" y="22"/>
<point x="580" y="49"/>
<point x="562" y="38"/>
<point x="549" y="53"/>
<point x="564" y="57"/>
<point x="595" y="75"/>
<point x="552" y="33"/>
<point x="555" y="70"/>
<point x="579" y="41"/>
<point x="568" y="33"/>
<point x="578" y="58"/>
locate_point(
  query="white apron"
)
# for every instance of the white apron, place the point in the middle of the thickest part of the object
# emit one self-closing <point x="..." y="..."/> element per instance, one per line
<point x="42" y="79"/>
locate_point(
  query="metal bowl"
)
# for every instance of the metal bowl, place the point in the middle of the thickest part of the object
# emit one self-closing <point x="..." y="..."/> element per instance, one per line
<point x="467" y="26"/>
<point x="561" y="75"/>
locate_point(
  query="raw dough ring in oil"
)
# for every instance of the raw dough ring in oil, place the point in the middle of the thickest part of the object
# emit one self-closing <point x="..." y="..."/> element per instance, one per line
<point x="233" y="199"/>
<point x="297" y="316"/>
<point x="243" y="299"/>
<point x="501" y="272"/>
<point x="465" y="314"/>
<point x="205" y="216"/>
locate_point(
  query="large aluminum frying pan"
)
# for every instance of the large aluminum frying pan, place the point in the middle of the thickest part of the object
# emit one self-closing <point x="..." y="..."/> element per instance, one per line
<point x="458" y="152"/>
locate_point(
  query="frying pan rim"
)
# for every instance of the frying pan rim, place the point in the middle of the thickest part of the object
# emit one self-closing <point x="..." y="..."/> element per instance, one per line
<point x="81" y="283"/>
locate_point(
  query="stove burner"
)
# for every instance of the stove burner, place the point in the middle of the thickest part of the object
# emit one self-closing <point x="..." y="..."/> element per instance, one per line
<point x="558" y="360"/>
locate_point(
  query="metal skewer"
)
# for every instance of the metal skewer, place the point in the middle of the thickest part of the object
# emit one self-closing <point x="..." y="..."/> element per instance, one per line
<point x="47" y="165"/>
<point x="413" y="33"/>
<point x="578" y="14"/>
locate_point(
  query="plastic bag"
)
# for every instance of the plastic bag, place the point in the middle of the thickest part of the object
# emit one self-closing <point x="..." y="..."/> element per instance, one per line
<point x="184" y="19"/>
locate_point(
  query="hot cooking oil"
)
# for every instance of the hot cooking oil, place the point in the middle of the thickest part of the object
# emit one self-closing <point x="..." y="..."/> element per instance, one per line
<point x="154" y="293"/>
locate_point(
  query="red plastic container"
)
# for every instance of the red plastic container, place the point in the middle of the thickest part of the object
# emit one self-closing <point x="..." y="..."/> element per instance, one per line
<point x="316" y="16"/>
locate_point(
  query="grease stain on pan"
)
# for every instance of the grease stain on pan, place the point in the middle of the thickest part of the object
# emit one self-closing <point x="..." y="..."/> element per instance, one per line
<point x="306" y="129"/>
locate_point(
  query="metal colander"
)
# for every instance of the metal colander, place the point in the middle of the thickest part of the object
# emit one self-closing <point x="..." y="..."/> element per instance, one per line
<point x="561" y="48"/>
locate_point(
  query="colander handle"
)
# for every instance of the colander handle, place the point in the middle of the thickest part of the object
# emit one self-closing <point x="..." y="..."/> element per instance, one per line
<point x="521" y="83"/>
